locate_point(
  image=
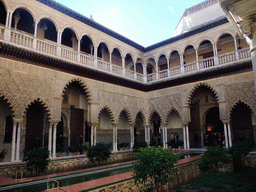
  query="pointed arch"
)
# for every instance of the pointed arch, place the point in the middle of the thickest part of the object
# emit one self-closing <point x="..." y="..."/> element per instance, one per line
<point x="140" y="112"/>
<point x="201" y="84"/>
<point x="43" y="104"/>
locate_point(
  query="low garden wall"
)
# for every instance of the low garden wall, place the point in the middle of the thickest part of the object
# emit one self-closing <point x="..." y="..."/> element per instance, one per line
<point x="58" y="165"/>
<point x="186" y="172"/>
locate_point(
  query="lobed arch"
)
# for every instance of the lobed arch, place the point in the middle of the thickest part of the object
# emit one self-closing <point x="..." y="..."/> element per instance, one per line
<point x="83" y="86"/>
<point x="171" y="110"/>
<point x="9" y="103"/>
<point x="50" y="19"/>
<point x="44" y="106"/>
<point x="110" y="113"/>
<point x="235" y="103"/>
<point x="128" y="114"/>
<point x="142" y="115"/>
<point x="151" y="115"/>
<point x="198" y="85"/>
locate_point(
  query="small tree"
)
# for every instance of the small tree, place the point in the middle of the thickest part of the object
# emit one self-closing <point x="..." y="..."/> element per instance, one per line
<point x="36" y="160"/>
<point x="99" y="152"/>
<point x="156" y="164"/>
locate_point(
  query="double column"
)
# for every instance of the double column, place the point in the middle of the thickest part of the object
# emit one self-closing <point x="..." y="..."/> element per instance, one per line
<point x="186" y="137"/>
<point x="16" y="133"/>
<point x="52" y="139"/>
<point x="227" y="133"/>
<point x="132" y="136"/>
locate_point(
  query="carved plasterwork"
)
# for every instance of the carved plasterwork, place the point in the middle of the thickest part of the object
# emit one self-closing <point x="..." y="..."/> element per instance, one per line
<point x="240" y="92"/>
<point x="21" y="89"/>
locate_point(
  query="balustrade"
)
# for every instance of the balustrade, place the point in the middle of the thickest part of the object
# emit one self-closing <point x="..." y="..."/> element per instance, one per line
<point x="117" y="70"/>
<point x="206" y="63"/>
<point x="163" y="74"/>
<point x="227" y="58"/>
<point x="190" y="67"/>
<point x="139" y="77"/>
<point x="103" y="65"/>
<point x="2" y="29"/>
<point x="175" y="71"/>
<point x="47" y="47"/>
<point x="129" y="73"/>
<point x="87" y="60"/>
<point x="20" y="38"/>
<point x="71" y="55"/>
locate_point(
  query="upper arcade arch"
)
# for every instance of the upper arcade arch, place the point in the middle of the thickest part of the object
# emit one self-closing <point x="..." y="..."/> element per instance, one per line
<point x="174" y="59"/>
<point x="205" y="50"/>
<point x="23" y="20"/>
<point x="162" y="62"/>
<point x="116" y="57"/>
<point x="189" y="55"/>
<point x="69" y="38"/>
<point x="129" y="64"/>
<point x="86" y="45"/>
<point x="46" y="29"/>
<point x="103" y="52"/>
<point x="3" y="13"/>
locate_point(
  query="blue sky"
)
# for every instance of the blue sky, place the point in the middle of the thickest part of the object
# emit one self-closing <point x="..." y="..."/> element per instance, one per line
<point x="145" y="22"/>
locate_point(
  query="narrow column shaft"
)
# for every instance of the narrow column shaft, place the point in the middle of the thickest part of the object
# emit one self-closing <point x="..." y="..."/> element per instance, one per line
<point x="92" y="134"/>
<point x="95" y="135"/>
<point x="226" y="135"/>
<point x="54" y="140"/>
<point x="13" y="140"/>
<point x="187" y="133"/>
<point x="50" y="139"/>
<point x="184" y="137"/>
<point x="229" y="135"/>
<point x="18" y="142"/>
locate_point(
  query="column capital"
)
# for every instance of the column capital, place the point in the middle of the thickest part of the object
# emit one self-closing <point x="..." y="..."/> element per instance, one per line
<point x="17" y="119"/>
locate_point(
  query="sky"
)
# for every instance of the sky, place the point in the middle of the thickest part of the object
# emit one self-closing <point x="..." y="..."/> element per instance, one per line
<point x="145" y="22"/>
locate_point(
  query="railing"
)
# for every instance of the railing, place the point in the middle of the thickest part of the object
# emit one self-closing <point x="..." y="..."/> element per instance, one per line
<point x="51" y="48"/>
<point x="71" y="55"/>
<point x="190" y="67"/>
<point x="244" y="53"/>
<point x="140" y="77"/>
<point x="86" y="60"/>
<point x="103" y="65"/>
<point x="175" y="71"/>
<point x="129" y="73"/>
<point x="2" y="29"/>
<point x="227" y="58"/>
<point x="117" y="69"/>
<point x="22" y="39"/>
<point x="151" y="77"/>
<point x="163" y="74"/>
<point x="45" y="47"/>
<point x="206" y="63"/>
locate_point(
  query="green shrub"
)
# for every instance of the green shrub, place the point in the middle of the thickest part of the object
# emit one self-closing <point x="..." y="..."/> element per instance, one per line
<point x="156" y="164"/>
<point x="238" y="150"/>
<point x="213" y="159"/>
<point x="99" y="152"/>
<point x="71" y="149"/>
<point x="139" y="144"/>
<point x="36" y="160"/>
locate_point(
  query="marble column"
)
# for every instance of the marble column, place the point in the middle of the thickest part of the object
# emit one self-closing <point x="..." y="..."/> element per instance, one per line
<point x="13" y="140"/>
<point x="187" y="133"/>
<point x="50" y="139"/>
<point x="184" y="137"/>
